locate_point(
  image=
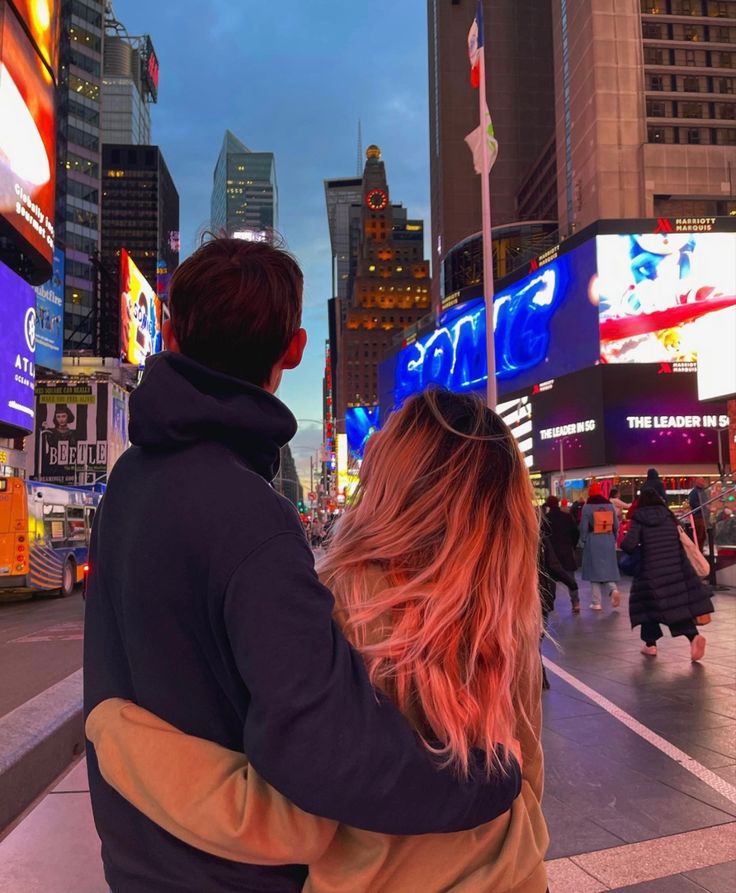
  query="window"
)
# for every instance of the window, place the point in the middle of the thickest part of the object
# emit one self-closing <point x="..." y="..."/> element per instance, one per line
<point x="656" y="82"/>
<point x="81" y="218"/>
<point x="691" y="85"/>
<point x="653" y="56"/>
<point x="691" y="33"/>
<point x="655" y="109"/>
<point x="83" y="165"/>
<point x="725" y="85"/>
<point x="83" y="112"/>
<point x="86" y="14"/>
<point x="689" y="57"/>
<point x="725" y="60"/>
<point x="85" y="38"/>
<point x="79" y="85"/>
<point x="693" y="136"/>
<point x="652" y="31"/>
<point x="80" y="138"/>
<point x="660" y="135"/>
<point x="721" y="35"/>
<point x="84" y="62"/>
<point x="691" y="110"/>
<point x="726" y="136"/>
<point x="652" y="7"/>
<point x="726" y="111"/>
<point x="686" y="8"/>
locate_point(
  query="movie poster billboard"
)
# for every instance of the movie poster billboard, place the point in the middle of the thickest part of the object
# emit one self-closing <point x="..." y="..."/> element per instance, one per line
<point x="17" y="350"/>
<point x="657" y="292"/>
<point x="72" y="432"/>
<point x="140" y="314"/>
<point x="27" y="144"/>
<point x="50" y="317"/>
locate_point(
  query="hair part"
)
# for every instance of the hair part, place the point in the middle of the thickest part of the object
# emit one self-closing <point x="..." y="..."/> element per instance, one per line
<point x="236" y="306"/>
<point x="434" y="571"/>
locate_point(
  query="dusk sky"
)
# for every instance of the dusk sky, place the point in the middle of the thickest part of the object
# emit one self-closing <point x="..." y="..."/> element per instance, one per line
<point x="292" y="78"/>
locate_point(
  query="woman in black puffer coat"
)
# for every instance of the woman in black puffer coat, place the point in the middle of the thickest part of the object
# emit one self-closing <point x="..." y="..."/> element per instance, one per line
<point x="666" y="589"/>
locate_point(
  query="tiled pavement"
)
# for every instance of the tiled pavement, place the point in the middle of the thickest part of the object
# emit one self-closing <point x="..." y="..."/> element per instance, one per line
<point x="623" y="816"/>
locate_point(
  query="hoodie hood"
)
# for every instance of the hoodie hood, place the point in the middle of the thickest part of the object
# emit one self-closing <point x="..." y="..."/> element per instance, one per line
<point x="180" y="403"/>
<point x="653" y="515"/>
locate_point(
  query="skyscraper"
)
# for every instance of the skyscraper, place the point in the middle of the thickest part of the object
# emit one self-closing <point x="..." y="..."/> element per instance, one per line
<point x="140" y="213"/>
<point x="78" y="155"/>
<point x="244" y="191"/>
<point x="520" y="87"/>
<point x="129" y="85"/>
<point x="389" y="288"/>
<point x="646" y="111"/>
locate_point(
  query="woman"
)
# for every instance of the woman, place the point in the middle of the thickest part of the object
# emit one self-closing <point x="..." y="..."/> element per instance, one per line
<point x="598" y="529"/>
<point x="666" y="589"/>
<point x="434" y="571"/>
<point x="563" y="537"/>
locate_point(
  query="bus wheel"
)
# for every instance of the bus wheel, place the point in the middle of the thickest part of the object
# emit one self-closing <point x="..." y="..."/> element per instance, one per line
<point x="68" y="579"/>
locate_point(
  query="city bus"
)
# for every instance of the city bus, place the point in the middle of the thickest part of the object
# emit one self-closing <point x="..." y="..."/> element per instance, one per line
<point x="44" y="535"/>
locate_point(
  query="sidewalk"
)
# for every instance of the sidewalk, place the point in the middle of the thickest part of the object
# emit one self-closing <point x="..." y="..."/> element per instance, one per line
<point x="641" y="770"/>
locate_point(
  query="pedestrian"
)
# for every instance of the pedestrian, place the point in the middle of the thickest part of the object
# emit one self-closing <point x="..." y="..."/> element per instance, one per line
<point x="666" y="589"/>
<point x="576" y="510"/>
<point x="440" y="595"/>
<point x="563" y="537"/>
<point x="598" y="529"/>
<point x="655" y="482"/>
<point x="211" y="611"/>
<point x="618" y="503"/>
<point x="700" y="515"/>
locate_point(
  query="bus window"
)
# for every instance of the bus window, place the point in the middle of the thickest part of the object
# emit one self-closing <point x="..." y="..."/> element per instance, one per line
<point x="75" y="528"/>
<point x="53" y="523"/>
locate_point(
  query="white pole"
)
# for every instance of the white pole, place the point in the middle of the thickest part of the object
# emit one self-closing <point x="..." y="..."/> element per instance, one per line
<point x="487" y="241"/>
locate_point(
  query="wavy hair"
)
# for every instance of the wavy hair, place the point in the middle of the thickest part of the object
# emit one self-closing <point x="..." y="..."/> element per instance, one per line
<point x="434" y="572"/>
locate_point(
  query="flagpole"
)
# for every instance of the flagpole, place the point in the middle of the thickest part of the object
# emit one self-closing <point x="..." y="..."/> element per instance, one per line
<point x="487" y="237"/>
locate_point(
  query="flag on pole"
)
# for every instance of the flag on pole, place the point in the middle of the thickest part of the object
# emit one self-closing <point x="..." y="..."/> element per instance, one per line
<point x="475" y="140"/>
<point x="475" y="45"/>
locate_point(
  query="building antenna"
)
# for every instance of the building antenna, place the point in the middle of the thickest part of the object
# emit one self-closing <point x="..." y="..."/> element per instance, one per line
<point x="359" y="170"/>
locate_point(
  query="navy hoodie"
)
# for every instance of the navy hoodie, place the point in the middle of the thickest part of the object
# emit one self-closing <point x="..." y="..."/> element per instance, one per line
<point x="204" y="607"/>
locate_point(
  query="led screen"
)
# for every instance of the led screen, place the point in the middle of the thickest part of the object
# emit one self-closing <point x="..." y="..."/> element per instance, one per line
<point x="17" y="349"/>
<point x="140" y="314"/>
<point x="658" y="291"/>
<point x="717" y="355"/>
<point x="27" y="143"/>
<point x="653" y="416"/>
<point x="568" y="413"/>
<point x="41" y="17"/>
<point x="546" y="325"/>
<point x="361" y="423"/>
<point x="517" y="413"/>
<point x="50" y="316"/>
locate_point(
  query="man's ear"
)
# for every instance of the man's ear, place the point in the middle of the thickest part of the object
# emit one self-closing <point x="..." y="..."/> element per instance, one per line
<point x="295" y="351"/>
<point x="170" y="342"/>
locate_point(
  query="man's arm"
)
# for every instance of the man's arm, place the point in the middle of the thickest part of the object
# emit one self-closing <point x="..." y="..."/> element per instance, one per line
<point x="317" y="730"/>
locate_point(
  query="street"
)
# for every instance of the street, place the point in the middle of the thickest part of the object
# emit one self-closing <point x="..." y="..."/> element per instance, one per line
<point x="40" y="644"/>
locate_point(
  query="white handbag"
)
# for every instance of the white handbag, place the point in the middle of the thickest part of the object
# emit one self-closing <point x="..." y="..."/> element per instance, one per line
<point x="696" y="558"/>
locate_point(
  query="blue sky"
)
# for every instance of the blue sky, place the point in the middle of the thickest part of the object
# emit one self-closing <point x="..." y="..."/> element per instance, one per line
<point x="292" y="78"/>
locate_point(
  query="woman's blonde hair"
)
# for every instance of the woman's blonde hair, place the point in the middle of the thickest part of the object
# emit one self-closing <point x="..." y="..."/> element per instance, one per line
<point x="444" y="514"/>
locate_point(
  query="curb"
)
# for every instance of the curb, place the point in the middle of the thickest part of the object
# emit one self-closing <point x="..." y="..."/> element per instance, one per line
<point x="38" y="740"/>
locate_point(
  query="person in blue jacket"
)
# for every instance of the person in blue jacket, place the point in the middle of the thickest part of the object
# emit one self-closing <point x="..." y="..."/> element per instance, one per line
<point x="598" y="528"/>
<point x="203" y="605"/>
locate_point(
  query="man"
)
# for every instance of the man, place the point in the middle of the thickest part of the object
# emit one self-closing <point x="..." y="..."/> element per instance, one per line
<point x="203" y="604"/>
<point x="697" y="497"/>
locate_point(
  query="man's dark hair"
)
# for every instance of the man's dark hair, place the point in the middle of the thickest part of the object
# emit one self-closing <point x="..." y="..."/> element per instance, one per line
<point x="236" y="305"/>
<point x="648" y="497"/>
<point x="614" y="493"/>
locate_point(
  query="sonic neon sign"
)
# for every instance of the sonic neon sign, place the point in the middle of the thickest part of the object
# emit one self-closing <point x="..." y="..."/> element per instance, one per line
<point x="454" y="355"/>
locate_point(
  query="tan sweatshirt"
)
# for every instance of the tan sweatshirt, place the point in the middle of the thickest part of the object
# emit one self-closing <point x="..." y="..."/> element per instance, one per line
<point x="210" y="798"/>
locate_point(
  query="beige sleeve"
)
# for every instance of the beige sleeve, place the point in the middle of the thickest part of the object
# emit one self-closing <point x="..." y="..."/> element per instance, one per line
<point x="201" y="792"/>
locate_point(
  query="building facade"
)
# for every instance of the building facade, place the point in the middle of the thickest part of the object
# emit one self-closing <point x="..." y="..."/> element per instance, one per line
<point x="128" y="88"/>
<point x="78" y="164"/>
<point x="390" y="288"/>
<point x="645" y="109"/>
<point x="520" y="88"/>
<point x="140" y="213"/>
<point x="244" y="189"/>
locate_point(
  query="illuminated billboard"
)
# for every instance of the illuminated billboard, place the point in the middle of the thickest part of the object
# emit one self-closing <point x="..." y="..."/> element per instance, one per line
<point x="653" y="415"/>
<point x="657" y="292"/>
<point x="17" y="350"/>
<point x="41" y="18"/>
<point x="140" y="314"/>
<point x="717" y="355"/>
<point x="50" y="317"/>
<point x="27" y="146"/>
<point x="361" y="423"/>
